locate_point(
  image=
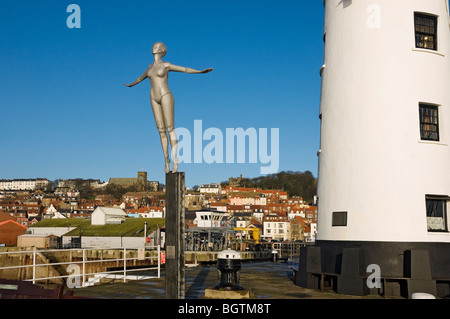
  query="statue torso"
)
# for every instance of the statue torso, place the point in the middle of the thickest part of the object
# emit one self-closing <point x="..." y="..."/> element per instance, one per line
<point x="158" y="74"/>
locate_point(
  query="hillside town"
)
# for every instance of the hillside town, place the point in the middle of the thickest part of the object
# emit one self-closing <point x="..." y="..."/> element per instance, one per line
<point x="256" y="215"/>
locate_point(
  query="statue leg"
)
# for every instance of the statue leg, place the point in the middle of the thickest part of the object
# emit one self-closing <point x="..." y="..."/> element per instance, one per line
<point x="168" y="107"/>
<point x="159" y="120"/>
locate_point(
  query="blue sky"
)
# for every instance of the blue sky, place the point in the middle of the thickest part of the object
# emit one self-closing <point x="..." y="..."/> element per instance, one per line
<point x="66" y="114"/>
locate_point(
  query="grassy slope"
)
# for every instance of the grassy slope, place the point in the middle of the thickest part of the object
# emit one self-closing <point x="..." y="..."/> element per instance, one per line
<point x="133" y="227"/>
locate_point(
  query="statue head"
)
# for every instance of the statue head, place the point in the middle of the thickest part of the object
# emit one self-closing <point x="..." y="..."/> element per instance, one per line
<point x="160" y="48"/>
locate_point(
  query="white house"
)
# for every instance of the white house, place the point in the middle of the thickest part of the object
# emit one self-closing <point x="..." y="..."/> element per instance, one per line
<point x="276" y="227"/>
<point x="213" y="188"/>
<point x="24" y="184"/>
<point x="296" y="212"/>
<point x="207" y="218"/>
<point x="242" y="223"/>
<point x="152" y="214"/>
<point x="107" y="215"/>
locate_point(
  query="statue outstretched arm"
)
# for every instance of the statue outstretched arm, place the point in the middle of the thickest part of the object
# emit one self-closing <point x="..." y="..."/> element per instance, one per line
<point x="183" y="69"/>
<point x="139" y="79"/>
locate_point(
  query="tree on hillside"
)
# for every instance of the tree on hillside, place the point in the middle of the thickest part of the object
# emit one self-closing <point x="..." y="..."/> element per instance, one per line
<point x="302" y="184"/>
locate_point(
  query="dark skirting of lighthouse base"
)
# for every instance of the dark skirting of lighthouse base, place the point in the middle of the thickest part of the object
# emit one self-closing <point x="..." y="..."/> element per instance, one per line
<point x="405" y="267"/>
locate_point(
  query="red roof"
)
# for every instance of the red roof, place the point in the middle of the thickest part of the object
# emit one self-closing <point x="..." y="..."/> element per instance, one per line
<point x="12" y="221"/>
<point x="5" y="216"/>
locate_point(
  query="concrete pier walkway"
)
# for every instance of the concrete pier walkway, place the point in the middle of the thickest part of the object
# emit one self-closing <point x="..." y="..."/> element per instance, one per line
<point x="266" y="280"/>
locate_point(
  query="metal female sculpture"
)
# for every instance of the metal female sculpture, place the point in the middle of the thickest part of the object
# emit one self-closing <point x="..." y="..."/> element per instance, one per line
<point x="162" y="100"/>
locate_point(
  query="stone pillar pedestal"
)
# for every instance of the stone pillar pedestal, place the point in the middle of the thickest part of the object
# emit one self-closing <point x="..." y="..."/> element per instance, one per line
<point x="175" y="260"/>
<point x="418" y="269"/>
<point x="309" y="262"/>
<point x="350" y="282"/>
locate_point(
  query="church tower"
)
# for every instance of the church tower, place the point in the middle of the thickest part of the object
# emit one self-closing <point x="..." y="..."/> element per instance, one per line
<point x="142" y="181"/>
<point x="384" y="158"/>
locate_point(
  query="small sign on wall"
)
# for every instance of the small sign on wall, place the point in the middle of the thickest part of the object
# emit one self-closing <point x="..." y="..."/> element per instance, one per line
<point x="170" y="252"/>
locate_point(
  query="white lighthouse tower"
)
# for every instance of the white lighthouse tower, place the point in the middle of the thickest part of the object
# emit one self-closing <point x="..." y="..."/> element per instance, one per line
<point x="384" y="159"/>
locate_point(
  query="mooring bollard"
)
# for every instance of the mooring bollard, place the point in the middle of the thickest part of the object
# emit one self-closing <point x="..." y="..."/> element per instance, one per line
<point x="229" y="264"/>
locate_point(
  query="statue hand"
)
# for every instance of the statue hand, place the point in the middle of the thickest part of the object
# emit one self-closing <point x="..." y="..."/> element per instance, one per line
<point x="207" y="70"/>
<point x="129" y="85"/>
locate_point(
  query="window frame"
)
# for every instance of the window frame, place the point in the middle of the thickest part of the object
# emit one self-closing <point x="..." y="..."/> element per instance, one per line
<point x="445" y="203"/>
<point x="339" y="219"/>
<point x="423" y="136"/>
<point x="421" y="33"/>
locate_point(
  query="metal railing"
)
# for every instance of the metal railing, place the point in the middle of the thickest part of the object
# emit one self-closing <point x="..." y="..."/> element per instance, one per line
<point x="286" y="250"/>
<point x="76" y="270"/>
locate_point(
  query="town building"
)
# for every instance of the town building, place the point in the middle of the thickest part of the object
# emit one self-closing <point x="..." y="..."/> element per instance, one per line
<point x="248" y="227"/>
<point x="37" y="241"/>
<point x="78" y="183"/>
<point x="10" y="229"/>
<point x="212" y="188"/>
<point x="107" y="216"/>
<point x="141" y="182"/>
<point x="25" y="184"/>
<point x="276" y="226"/>
<point x="247" y="200"/>
<point x="194" y="201"/>
<point x="209" y="219"/>
<point x="298" y="227"/>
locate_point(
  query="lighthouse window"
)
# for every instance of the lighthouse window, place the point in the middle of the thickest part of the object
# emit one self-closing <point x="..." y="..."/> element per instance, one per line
<point x="339" y="219"/>
<point x="429" y="122"/>
<point x="437" y="212"/>
<point x="426" y="31"/>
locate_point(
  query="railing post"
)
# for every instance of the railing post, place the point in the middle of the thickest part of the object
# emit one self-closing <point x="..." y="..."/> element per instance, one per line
<point x="124" y="265"/>
<point x="34" y="264"/>
<point x="84" y="267"/>
<point x="159" y="261"/>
